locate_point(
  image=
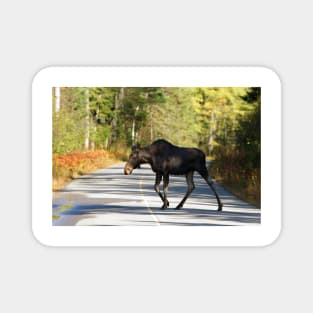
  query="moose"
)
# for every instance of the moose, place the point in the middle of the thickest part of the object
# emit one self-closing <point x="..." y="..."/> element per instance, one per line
<point x="166" y="159"/>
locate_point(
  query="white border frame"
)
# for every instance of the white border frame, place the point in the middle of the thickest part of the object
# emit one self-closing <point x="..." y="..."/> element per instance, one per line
<point x="259" y="235"/>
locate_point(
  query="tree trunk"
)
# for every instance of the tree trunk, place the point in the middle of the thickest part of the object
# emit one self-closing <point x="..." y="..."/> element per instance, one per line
<point x="87" y="121"/>
<point x="93" y="144"/>
<point x="57" y="93"/>
<point x="133" y="132"/>
<point x="118" y="102"/>
<point x="106" y="144"/>
<point x="95" y="121"/>
<point x="211" y="134"/>
<point x="151" y="127"/>
<point x="134" y="126"/>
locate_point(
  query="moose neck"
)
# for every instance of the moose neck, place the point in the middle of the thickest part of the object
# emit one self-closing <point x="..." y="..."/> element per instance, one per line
<point x="145" y="155"/>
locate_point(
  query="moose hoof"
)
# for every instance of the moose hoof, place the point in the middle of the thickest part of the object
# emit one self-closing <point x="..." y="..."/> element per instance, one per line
<point x="178" y="207"/>
<point x="163" y="207"/>
<point x="220" y="207"/>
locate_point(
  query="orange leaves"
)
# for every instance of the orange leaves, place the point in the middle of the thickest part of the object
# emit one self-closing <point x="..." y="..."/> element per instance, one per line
<point x="68" y="166"/>
<point x="77" y="159"/>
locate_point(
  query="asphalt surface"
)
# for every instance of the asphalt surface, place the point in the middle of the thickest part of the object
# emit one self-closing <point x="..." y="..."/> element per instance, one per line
<point x="109" y="198"/>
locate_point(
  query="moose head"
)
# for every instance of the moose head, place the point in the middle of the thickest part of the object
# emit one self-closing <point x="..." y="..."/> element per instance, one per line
<point x="134" y="160"/>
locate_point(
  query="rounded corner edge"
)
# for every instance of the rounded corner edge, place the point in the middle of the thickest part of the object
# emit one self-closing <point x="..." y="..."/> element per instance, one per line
<point x="273" y="238"/>
<point x="41" y="73"/>
<point x="273" y="74"/>
<point x="38" y="238"/>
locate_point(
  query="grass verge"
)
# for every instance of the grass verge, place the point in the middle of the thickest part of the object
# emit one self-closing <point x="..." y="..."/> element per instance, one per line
<point x="243" y="183"/>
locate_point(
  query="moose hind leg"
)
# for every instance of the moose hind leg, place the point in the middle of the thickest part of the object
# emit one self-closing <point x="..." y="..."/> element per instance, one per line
<point x="204" y="173"/>
<point x="158" y="179"/>
<point x="191" y="187"/>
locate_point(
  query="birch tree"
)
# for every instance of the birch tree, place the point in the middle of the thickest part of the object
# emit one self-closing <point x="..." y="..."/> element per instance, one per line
<point x="87" y="119"/>
<point x="57" y="94"/>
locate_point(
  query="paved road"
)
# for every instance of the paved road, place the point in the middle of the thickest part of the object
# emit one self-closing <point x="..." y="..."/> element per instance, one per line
<point x="110" y="198"/>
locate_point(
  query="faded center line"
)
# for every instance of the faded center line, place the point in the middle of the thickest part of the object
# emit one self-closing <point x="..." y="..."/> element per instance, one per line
<point x="147" y="204"/>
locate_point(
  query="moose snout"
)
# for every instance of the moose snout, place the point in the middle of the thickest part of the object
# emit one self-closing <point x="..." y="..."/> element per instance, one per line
<point x="127" y="170"/>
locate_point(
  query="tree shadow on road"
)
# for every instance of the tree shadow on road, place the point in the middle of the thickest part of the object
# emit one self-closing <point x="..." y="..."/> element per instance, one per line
<point x="106" y="191"/>
<point x="188" y="216"/>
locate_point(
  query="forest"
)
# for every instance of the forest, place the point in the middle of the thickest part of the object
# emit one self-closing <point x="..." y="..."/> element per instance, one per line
<point x="104" y="122"/>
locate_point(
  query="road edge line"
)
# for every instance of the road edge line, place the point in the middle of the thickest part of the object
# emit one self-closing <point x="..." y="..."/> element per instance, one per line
<point x="156" y="220"/>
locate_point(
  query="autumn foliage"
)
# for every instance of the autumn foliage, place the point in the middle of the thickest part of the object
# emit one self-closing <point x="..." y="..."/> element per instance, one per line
<point x="69" y="166"/>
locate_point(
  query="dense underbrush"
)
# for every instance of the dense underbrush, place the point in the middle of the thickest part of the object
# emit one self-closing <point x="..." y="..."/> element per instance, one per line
<point x="237" y="172"/>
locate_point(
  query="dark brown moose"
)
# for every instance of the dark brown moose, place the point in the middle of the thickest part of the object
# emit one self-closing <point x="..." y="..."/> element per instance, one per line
<point x="166" y="159"/>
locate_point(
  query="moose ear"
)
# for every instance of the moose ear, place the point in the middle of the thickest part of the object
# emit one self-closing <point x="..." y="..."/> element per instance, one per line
<point x="135" y="148"/>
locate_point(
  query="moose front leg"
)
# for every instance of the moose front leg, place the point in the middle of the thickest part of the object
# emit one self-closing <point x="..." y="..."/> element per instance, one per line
<point x="165" y="189"/>
<point x="158" y="179"/>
